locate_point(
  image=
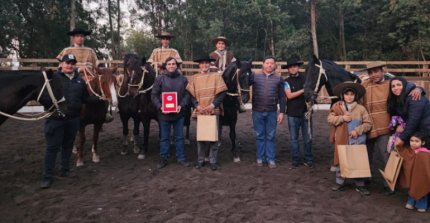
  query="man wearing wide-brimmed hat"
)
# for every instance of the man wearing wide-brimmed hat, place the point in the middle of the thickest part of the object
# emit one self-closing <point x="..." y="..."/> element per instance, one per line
<point x="85" y="56"/>
<point x="296" y="109"/>
<point x="207" y="90"/>
<point x="160" y="54"/>
<point x="375" y="101"/>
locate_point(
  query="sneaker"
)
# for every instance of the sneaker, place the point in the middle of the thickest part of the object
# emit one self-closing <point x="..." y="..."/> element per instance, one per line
<point x="214" y="166"/>
<point x="294" y="166"/>
<point x="409" y="206"/>
<point x="309" y="164"/>
<point x="272" y="164"/>
<point x="260" y="163"/>
<point x="162" y="164"/>
<point x="421" y="210"/>
<point x="363" y="191"/>
<point x="46" y="183"/>
<point x="199" y="165"/>
<point x="183" y="163"/>
<point x="338" y="187"/>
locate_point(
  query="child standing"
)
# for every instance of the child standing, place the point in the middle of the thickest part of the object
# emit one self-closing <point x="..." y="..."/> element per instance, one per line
<point x="417" y="142"/>
<point x="349" y="122"/>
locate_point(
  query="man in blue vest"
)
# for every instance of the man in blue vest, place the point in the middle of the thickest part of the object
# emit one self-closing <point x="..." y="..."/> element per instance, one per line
<point x="296" y="109"/>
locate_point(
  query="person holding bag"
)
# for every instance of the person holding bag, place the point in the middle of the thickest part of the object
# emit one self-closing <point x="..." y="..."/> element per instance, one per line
<point x="349" y="123"/>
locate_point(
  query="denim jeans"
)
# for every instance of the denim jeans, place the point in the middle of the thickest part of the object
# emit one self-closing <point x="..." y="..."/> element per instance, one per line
<point x="59" y="135"/>
<point x="294" y="125"/>
<point x="265" y="130"/>
<point x="178" y="132"/>
<point x="422" y="203"/>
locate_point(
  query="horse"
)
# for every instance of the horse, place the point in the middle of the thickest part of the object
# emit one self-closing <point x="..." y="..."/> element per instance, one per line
<point x="135" y="101"/>
<point x="103" y="86"/>
<point x="19" y="87"/>
<point x="236" y="77"/>
<point x="324" y="73"/>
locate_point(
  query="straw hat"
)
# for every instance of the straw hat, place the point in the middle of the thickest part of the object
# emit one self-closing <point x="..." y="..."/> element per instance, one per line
<point x="221" y="38"/>
<point x="374" y="64"/>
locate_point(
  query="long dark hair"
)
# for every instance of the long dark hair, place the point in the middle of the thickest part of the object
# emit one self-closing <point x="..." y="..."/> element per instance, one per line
<point x="396" y="104"/>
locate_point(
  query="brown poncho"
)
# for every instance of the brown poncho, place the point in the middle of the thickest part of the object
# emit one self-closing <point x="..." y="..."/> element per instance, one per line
<point x="85" y="57"/>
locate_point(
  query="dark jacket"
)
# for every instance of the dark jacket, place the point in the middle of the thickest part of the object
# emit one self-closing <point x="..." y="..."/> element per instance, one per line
<point x="267" y="92"/>
<point x="75" y="92"/>
<point x="296" y="107"/>
<point x="170" y="82"/>
<point x="416" y="114"/>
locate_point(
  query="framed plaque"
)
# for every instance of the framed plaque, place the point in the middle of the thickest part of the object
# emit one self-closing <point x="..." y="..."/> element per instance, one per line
<point x="169" y="102"/>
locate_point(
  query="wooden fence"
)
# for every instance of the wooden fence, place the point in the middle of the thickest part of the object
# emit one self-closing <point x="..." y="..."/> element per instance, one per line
<point x="416" y="71"/>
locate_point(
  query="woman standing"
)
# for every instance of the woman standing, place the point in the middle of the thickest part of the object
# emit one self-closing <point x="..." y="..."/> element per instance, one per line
<point x="416" y="114"/>
<point x="171" y="81"/>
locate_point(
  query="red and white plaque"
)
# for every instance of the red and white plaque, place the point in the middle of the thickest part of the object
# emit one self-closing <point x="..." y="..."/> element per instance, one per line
<point x="169" y="102"/>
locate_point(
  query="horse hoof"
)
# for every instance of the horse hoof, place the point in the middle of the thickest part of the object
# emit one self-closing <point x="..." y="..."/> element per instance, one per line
<point x="236" y="159"/>
<point x="75" y="150"/>
<point x="123" y="153"/>
<point x="141" y="157"/>
<point x="136" y="149"/>
<point x="79" y="163"/>
<point x="96" y="159"/>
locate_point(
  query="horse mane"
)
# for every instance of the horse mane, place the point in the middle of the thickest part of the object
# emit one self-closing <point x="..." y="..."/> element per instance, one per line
<point x="334" y="67"/>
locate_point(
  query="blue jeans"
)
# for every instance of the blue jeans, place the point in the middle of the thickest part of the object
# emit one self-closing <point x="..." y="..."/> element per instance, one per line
<point x="178" y="131"/>
<point x="294" y="125"/>
<point x="265" y="130"/>
<point x="59" y="135"/>
<point x="422" y="203"/>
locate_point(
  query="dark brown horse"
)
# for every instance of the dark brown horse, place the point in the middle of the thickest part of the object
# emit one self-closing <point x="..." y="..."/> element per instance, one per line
<point x="19" y="87"/>
<point x="102" y="86"/>
<point x="135" y="101"/>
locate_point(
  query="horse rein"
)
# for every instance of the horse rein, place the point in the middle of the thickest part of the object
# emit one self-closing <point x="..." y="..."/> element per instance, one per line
<point x="44" y="115"/>
<point x="139" y="86"/>
<point x="87" y="81"/>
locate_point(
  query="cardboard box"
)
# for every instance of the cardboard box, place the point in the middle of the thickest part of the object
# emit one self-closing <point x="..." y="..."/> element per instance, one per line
<point x="207" y="128"/>
<point x="354" y="161"/>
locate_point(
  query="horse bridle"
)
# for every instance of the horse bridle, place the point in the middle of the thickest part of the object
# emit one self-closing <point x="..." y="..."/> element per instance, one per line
<point x="55" y="103"/>
<point x="239" y="88"/>
<point x="139" y="85"/>
<point x="87" y="81"/>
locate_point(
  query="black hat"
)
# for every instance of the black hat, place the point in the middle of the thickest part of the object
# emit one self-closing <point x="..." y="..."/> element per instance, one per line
<point x="204" y="58"/>
<point x="291" y="62"/>
<point x="359" y="90"/>
<point x="221" y="38"/>
<point x="165" y="34"/>
<point x="68" y="58"/>
<point x="79" y="31"/>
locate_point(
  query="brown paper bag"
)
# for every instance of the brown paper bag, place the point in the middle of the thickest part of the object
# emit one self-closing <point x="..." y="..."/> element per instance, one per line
<point x="392" y="169"/>
<point x="353" y="161"/>
<point x="207" y="128"/>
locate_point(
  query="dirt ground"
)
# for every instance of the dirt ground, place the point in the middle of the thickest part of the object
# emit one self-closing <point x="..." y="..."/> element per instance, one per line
<point x="124" y="189"/>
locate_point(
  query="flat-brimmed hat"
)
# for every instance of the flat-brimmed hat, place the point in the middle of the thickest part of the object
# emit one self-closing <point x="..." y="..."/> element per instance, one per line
<point x="221" y="38"/>
<point x="292" y="62"/>
<point x="68" y="58"/>
<point x="164" y="34"/>
<point x="374" y="64"/>
<point x="203" y="58"/>
<point x="358" y="88"/>
<point x="76" y="31"/>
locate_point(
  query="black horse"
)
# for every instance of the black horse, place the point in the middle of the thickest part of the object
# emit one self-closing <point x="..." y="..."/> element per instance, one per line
<point x="19" y="87"/>
<point x="134" y="101"/>
<point x="236" y="77"/>
<point x="324" y="73"/>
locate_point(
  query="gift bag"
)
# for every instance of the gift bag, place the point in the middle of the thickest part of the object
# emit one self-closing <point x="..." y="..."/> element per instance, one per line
<point x="392" y="169"/>
<point x="207" y="128"/>
<point x="353" y="161"/>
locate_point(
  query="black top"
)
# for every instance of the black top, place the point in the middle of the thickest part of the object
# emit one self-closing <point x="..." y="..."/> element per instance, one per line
<point x="296" y="107"/>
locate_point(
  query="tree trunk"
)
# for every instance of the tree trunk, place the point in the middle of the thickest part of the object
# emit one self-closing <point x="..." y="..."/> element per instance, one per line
<point x="342" y="34"/>
<point x="118" y="35"/>
<point x="272" y="34"/>
<point x="111" y="29"/>
<point x="314" y="27"/>
<point x="72" y="17"/>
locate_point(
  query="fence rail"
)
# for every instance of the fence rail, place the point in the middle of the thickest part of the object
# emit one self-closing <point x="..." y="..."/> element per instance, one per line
<point x="408" y="68"/>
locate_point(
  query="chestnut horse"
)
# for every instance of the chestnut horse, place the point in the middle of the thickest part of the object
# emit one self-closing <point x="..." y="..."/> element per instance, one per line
<point x="19" y="87"/>
<point x="102" y="86"/>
